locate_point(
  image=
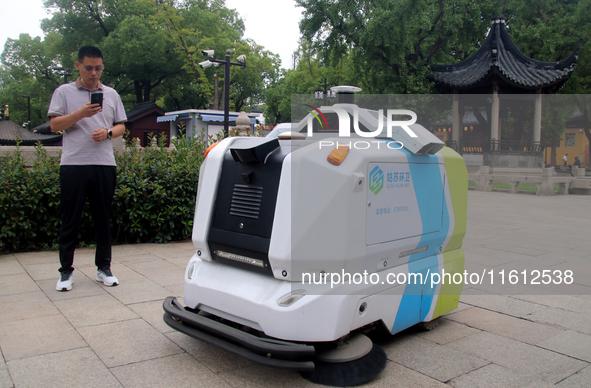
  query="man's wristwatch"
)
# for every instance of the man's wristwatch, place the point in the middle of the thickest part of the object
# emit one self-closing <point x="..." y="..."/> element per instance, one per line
<point x="109" y="133"/>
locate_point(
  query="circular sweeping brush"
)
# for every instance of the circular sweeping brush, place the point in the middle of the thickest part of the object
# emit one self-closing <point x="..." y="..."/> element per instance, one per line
<point x="354" y="362"/>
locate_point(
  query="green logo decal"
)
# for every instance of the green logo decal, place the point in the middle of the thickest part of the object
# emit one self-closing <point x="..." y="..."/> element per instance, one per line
<point x="376" y="180"/>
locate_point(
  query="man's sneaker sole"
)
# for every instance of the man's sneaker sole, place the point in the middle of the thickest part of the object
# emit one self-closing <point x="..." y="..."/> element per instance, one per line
<point x="101" y="280"/>
<point x="64" y="288"/>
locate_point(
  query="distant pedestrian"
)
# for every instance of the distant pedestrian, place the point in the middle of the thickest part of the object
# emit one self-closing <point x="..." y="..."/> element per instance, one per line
<point x="87" y="165"/>
<point x="577" y="162"/>
<point x="565" y="159"/>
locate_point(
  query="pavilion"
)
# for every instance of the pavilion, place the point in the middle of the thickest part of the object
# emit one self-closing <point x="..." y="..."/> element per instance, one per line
<point x="500" y="68"/>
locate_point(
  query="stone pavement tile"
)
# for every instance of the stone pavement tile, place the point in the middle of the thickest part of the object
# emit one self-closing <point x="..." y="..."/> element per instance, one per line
<point x="493" y="375"/>
<point x="570" y="343"/>
<point x="25" y="306"/>
<point x="502" y="304"/>
<point x="5" y="380"/>
<point x="36" y="336"/>
<point x="518" y="356"/>
<point x="513" y="248"/>
<point x="178" y="371"/>
<point x="580" y="322"/>
<point x="180" y="260"/>
<point x="580" y="379"/>
<point x="121" y="271"/>
<point x="172" y="252"/>
<point x="38" y="257"/>
<point x="152" y="313"/>
<point x="505" y="325"/>
<point x="565" y="302"/>
<point x="10" y="266"/>
<point x="17" y="284"/>
<point x="82" y="287"/>
<point x="73" y="368"/>
<point x="94" y="310"/>
<point x="399" y="376"/>
<point x="255" y="375"/>
<point x="447" y="331"/>
<point x="486" y="258"/>
<point x="461" y="307"/>
<point x="178" y="291"/>
<point x="138" y="291"/>
<point x="42" y="271"/>
<point x="159" y="271"/>
<point x="127" y="342"/>
<point x="429" y="358"/>
<point x="126" y="250"/>
<point x="214" y="358"/>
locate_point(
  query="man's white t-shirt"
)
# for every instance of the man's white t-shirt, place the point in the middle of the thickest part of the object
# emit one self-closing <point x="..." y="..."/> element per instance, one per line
<point x="78" y="148"/>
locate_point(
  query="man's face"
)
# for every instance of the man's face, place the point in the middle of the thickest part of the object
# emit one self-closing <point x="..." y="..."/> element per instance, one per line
<point x="90" y="71"/>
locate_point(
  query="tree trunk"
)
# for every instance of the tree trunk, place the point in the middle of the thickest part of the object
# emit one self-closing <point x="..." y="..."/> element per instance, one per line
<point x="137" y="85"/>
<point x="147" y="91"/>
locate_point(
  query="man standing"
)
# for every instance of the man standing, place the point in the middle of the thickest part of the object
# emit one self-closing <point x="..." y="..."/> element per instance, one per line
<point x="565" y="159"/>
<point x="87" y="165"/>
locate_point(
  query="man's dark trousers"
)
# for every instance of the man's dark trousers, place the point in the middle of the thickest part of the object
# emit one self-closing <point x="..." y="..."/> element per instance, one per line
<point x="97" y="183"/>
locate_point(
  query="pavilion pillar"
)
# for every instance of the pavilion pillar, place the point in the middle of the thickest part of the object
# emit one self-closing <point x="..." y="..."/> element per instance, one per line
<point x="538" y="117"/>
<point x="456" y="124"/>
<point x="495" y="116"/>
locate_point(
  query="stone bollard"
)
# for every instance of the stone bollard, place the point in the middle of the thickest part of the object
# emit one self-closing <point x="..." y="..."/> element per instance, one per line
<point x="484" y="182"/>
<point x="578" y="172"/>
<point x="118" y="144"/>
<point x="547" y="185"/>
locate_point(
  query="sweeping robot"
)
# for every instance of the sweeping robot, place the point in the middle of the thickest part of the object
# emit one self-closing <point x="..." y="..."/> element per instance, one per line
<point x="308" y="243"/>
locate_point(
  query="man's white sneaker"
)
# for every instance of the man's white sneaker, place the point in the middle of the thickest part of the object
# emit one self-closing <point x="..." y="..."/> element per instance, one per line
<point x="106" y="277"/>
<point x="65" y="282"/>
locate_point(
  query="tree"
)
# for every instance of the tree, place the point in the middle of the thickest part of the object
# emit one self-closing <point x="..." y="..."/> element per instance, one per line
<point x="393" y="43"/>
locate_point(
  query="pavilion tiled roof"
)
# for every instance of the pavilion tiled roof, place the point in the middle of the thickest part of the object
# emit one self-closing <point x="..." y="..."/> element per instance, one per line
<point x="499" y="58"/>
<point x="10" y="132"/>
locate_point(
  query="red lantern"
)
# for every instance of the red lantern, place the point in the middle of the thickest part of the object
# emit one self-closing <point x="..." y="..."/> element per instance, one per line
<point x="439" y="130"/>
<point x="471" y="128"/>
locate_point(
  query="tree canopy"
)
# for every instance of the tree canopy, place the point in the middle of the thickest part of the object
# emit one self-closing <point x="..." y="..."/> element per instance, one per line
<point x="151" y="48"/>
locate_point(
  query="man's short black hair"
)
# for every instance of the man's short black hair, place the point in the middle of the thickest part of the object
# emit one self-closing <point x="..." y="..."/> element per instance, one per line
<point x="89" y="51"/>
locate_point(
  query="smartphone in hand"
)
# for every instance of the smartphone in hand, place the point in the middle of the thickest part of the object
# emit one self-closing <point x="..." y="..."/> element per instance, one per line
<point x="97" y="98"/>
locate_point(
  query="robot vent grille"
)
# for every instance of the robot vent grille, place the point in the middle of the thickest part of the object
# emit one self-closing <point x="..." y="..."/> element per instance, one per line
<point x="246" y="201"/>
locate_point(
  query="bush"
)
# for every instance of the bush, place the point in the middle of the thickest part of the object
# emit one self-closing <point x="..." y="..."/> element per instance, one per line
<point x="29" y="201"/>
<point x="154" y="199"/>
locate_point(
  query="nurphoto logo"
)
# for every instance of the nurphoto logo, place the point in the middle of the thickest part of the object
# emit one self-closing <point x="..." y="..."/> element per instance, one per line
<point x="345" y="121"/>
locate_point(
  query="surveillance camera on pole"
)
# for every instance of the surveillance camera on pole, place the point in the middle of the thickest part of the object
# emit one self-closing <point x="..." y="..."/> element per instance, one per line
<point x="208" y="53"/>
<point x="241" y="59"/>
<point x="205" y="64"/>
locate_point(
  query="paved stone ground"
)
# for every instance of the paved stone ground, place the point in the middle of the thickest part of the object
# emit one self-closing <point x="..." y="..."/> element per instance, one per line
<point x="95" y="336"/>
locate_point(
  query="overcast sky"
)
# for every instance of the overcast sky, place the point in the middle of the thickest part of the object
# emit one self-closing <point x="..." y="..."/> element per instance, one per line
<point x="270" y="23"/>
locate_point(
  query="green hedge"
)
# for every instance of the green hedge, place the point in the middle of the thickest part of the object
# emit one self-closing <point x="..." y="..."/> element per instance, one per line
<point x="154" y="199"/>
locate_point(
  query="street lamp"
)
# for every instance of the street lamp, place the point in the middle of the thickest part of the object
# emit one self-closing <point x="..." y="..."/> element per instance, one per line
<point x="63" y="71"/>
<point x="326" y="93"/>
<point x="217" y="62"/>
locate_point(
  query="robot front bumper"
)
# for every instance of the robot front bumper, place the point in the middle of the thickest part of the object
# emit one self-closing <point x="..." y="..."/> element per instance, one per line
<point x="265" y="351"/>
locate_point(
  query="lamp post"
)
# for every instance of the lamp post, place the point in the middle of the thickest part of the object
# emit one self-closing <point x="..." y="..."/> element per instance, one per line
<point x="325" y="93"/>
<point x="28" y="94"/>
<point x="217" y="62"/>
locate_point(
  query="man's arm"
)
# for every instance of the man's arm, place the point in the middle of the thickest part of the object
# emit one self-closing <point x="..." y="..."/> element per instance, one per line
<point x="61" y="123"/>
<point x="101" y="134"/>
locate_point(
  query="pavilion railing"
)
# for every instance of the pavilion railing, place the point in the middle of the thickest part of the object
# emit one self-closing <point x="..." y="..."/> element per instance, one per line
<point x="509" y="146"/>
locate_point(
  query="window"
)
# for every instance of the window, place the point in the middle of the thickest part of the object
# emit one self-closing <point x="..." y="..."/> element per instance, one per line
<point x="569" y="139"/>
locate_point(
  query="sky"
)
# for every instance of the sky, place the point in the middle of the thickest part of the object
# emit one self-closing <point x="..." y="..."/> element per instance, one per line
<point x="270" y="23"/>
